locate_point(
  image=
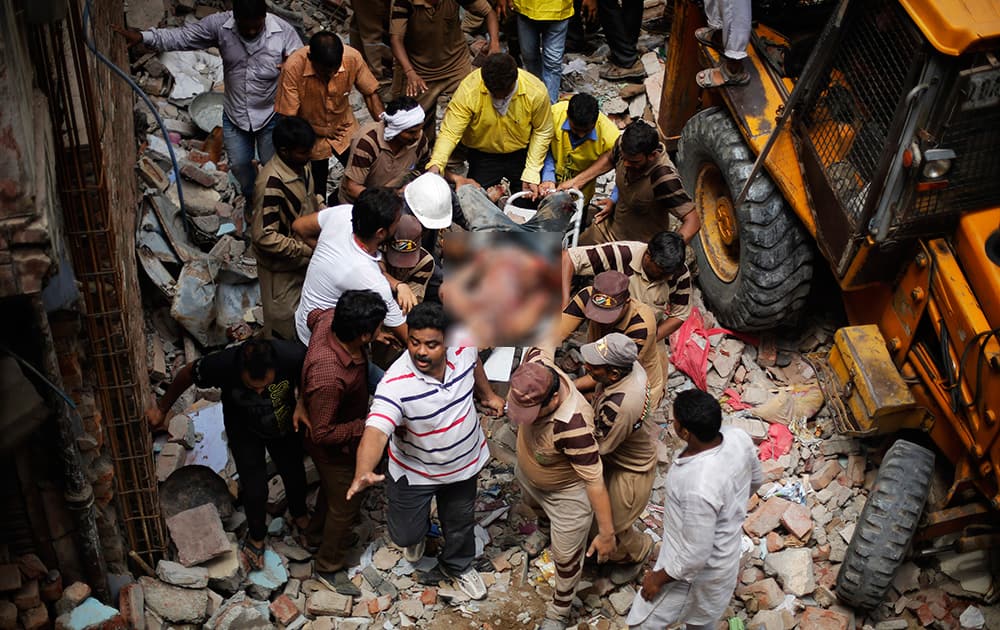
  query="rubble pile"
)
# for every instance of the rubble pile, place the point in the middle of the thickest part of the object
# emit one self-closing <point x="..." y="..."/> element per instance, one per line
<point x="198" y="260"/>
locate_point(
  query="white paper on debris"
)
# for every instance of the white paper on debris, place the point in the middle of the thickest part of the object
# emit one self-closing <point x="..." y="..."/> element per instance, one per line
<point x="194" y="72"/>
<point x="498" y="365"/>
<point x="212" y="450"/>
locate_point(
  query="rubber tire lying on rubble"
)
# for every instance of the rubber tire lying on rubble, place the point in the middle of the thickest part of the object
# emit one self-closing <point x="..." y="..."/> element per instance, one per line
<point x="770" y="285"/>
<point x="886" y="526"/>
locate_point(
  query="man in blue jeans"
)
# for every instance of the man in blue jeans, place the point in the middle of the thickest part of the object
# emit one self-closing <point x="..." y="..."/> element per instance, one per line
<point x="253" y="44"/>
<point x="541" y="31"/>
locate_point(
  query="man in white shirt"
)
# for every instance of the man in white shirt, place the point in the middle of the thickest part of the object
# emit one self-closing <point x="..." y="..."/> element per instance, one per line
<point x="424" y="410"/>
<point x="704" y="508"/>
<point x="346" y="241"/>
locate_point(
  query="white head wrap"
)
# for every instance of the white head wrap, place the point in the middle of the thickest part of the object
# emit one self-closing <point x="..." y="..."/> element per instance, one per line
<point x="402" y="120"/>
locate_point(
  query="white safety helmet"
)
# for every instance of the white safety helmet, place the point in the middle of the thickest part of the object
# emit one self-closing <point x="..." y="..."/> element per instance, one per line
<point x="429" y="198"/>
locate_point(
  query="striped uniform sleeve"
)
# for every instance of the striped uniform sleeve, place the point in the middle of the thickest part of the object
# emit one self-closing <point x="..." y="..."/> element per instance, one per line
<point x="679" y="305"/>
<point x="279" y="208"/>
<point x="386" y="413"/>
<point x="611" y="425"/>
<point x="668" y="191"/>
<point x="420" y="275"/>
<point x="594" y="259"/>
<point x="638" y="329"/>
<point x="362" y="157"/>
<point x="576" y="441"/>
<point x="399" y="16"/>
<point x="573" y="314"/>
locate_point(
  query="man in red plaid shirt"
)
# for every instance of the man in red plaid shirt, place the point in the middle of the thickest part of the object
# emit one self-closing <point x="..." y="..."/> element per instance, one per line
<point x="335" y="390"/>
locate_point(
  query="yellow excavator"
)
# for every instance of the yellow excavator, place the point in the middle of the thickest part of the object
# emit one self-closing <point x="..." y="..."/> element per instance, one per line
<point x="868" y="140"/>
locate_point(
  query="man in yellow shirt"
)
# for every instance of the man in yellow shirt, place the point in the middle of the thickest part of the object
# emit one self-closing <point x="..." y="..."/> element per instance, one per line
<point x="582" y="136"/>
<point x="502" y="116"/>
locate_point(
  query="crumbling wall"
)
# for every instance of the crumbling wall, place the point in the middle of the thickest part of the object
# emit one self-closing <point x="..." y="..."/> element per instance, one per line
<point x="27" y="180"/>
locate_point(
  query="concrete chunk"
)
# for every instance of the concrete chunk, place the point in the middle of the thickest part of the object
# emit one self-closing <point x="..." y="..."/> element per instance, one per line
<point x="180" y="575"/>
<point x="198" y="534"/>
<point x="328" y="603"/>
<point x="794" y="570"/>
<point x="173" y="603"/>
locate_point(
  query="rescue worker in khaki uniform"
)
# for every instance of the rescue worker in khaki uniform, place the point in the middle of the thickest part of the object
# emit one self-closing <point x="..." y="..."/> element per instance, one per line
<point x="283" y="192"/>
<point x="432" y="56"/>
<point x="621" y="411"/>
<point x="560" y="472"/>
<point x="648" y="191"/>
<point x="608" y="307"/>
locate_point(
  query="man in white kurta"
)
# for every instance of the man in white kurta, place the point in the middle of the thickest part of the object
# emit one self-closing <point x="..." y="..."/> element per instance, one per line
<point x="707" y="489"/>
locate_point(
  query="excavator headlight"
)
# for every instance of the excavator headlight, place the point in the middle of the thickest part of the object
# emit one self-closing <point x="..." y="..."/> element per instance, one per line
<point x="937" y="163"/>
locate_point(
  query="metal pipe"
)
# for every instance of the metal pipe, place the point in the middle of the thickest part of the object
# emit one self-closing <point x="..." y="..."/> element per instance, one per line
<point x="78" y="492"/>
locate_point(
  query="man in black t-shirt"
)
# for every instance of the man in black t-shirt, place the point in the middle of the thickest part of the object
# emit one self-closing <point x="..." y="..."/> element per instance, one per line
<point x="258" y="379"/>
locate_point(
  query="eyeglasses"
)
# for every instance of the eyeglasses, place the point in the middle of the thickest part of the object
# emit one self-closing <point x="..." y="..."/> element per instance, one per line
<point x="603" y="300"/>
<point x="404" y="246"/>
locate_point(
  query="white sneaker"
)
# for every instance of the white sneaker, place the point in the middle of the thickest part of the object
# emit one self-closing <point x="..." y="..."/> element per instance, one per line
<point x="414" y="553"/>
<point x="471" y="583"/>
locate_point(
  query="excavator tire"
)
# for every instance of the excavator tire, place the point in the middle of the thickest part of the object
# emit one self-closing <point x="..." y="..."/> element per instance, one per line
<point x="886" y="526"/>
<point x="755" y="262"/>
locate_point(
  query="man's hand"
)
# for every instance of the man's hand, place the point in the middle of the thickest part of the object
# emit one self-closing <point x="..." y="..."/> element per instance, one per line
<point x="494" y="47"/>
<point x="341" y="130"/>
<point x="415" y="86"/>
<point x="300" y="417"/>
<point x="604" y="545"/>
<point x="651" y="585"/>
<point x="132" y="36"/>
<point x="588" y="9"/>
<point x="361" y="482"/>
<point x="546" y="187"/>
<point x="405" y="297"/>
<point x="606" y="208"/>
<point x="155" y="418"/>
<point x="494" y="405"/>
<point x="532" y="188"/>
<point x="569" y="184"/>
<point x="386" y="337"/>
<point x="503" y="7"/>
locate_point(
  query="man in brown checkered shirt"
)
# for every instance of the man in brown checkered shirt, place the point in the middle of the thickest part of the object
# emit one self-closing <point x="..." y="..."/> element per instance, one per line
<point x="335" y="390"/>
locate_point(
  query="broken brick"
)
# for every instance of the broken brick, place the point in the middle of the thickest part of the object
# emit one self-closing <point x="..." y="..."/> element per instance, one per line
<point x="774" y="542"/>
<point x="27" y="596"/>
<point x="429" y="597"/>
<point x="35" y="618"/>
<point x="763" y="595"/>
<point x="32" y="567"/>
<point x="797" y="520"/>
<point x="766" y="517"/>
<point x="825" y="474"/>
<point x="818" y="619"/>
<point x="284" y="610"/>
<point x="10" y="577"/>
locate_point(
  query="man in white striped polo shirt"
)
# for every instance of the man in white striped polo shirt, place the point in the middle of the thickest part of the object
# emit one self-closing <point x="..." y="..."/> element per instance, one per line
<point x="424" y="403"/>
